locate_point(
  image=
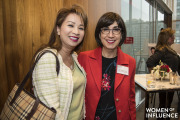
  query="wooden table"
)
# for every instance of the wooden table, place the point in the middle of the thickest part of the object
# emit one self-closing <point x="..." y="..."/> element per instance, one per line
<point x="165" y="86"/>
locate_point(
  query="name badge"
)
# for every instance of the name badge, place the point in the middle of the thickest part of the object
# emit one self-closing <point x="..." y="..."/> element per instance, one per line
<point x="122" y="70"/>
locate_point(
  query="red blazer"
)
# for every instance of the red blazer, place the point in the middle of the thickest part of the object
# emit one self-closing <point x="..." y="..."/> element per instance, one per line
<point x="124" y="86"/>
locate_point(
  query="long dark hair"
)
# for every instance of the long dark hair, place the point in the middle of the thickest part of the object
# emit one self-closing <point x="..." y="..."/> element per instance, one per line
<point x="54" y="40"/>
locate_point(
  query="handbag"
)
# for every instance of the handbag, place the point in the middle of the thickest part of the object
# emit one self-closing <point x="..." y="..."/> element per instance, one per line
<point x="21" y="104"/>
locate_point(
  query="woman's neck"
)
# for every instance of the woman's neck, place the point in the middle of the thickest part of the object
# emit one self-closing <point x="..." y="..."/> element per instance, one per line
<point x="109" y="53"/>
<point x="65" y="53"/>
<point x="67" y="57"/>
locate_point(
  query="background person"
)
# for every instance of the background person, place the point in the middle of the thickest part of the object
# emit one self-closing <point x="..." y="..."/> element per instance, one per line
<point x="152" y="50"/>
<point x="110" y="89"/>
<point x="64" y="92"/>
<point x="167" y="55"/>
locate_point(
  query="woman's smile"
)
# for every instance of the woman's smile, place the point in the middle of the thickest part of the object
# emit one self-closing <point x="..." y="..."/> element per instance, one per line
<point x="74" y="38"/>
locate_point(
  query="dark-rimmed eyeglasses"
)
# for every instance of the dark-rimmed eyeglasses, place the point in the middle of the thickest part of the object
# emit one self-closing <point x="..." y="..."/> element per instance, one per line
<point x="114" y="31"/>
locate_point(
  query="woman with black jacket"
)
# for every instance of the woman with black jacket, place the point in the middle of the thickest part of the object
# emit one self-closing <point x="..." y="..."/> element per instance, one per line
<point x="167" y="55"/>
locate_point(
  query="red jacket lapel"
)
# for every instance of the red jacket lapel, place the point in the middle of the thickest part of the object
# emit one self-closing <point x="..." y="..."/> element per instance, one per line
<point x="95" y="61"/>
<point x="121" y="60"/>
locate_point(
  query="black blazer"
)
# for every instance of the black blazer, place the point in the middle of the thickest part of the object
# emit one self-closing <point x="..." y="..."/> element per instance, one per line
<point x="166" y="56"/>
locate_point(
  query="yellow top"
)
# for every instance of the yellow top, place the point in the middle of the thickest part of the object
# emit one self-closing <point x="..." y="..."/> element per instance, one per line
<point x="76" y="107"/>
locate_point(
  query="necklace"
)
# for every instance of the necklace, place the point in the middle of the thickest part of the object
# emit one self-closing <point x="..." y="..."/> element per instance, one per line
<point x="68" y="61"/>
<point x="71" y="67"/>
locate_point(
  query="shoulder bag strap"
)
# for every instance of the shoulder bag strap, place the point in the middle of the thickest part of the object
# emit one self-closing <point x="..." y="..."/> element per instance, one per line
<point x="21" y="86"/>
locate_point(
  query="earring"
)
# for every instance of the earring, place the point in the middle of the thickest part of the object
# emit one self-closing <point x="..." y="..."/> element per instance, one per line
<point x="58" y="30"/>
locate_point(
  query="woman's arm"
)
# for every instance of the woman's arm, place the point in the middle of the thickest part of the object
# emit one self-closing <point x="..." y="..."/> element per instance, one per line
<point x="45" y="82"/>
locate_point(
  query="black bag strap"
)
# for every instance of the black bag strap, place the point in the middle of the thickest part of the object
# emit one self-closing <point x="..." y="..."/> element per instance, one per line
<point x="33" y="110"/>
<point x="22" y="84"/>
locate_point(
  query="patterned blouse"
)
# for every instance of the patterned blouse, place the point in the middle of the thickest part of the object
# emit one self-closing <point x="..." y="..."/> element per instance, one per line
<point x="106" y="109"/>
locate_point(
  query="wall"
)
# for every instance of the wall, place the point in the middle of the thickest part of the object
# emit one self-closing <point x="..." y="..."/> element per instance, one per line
<point x="26" y="24"/>
<point x="3" y="74"/>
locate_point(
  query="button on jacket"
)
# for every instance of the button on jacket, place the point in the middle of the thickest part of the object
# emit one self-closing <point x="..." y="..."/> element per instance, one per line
<point x="124" y="87"/>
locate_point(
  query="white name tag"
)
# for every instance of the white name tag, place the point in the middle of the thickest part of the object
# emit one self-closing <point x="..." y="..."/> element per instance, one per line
<point x="122" y="70"/>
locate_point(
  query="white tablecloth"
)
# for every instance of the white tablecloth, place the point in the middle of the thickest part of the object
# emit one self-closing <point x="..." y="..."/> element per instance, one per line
<point x="140" y="79"/>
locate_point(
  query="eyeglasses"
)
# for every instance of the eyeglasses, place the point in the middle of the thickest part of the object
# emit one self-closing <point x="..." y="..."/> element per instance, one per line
<point x="114" y="31"/>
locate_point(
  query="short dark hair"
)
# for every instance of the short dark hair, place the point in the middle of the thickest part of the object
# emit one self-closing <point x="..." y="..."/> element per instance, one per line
<point x="106" y="20"/>
<point x="152" y="48"/>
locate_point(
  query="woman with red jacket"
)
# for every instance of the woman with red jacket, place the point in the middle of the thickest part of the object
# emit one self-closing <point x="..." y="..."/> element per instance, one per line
<point x="110" y="89"/>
